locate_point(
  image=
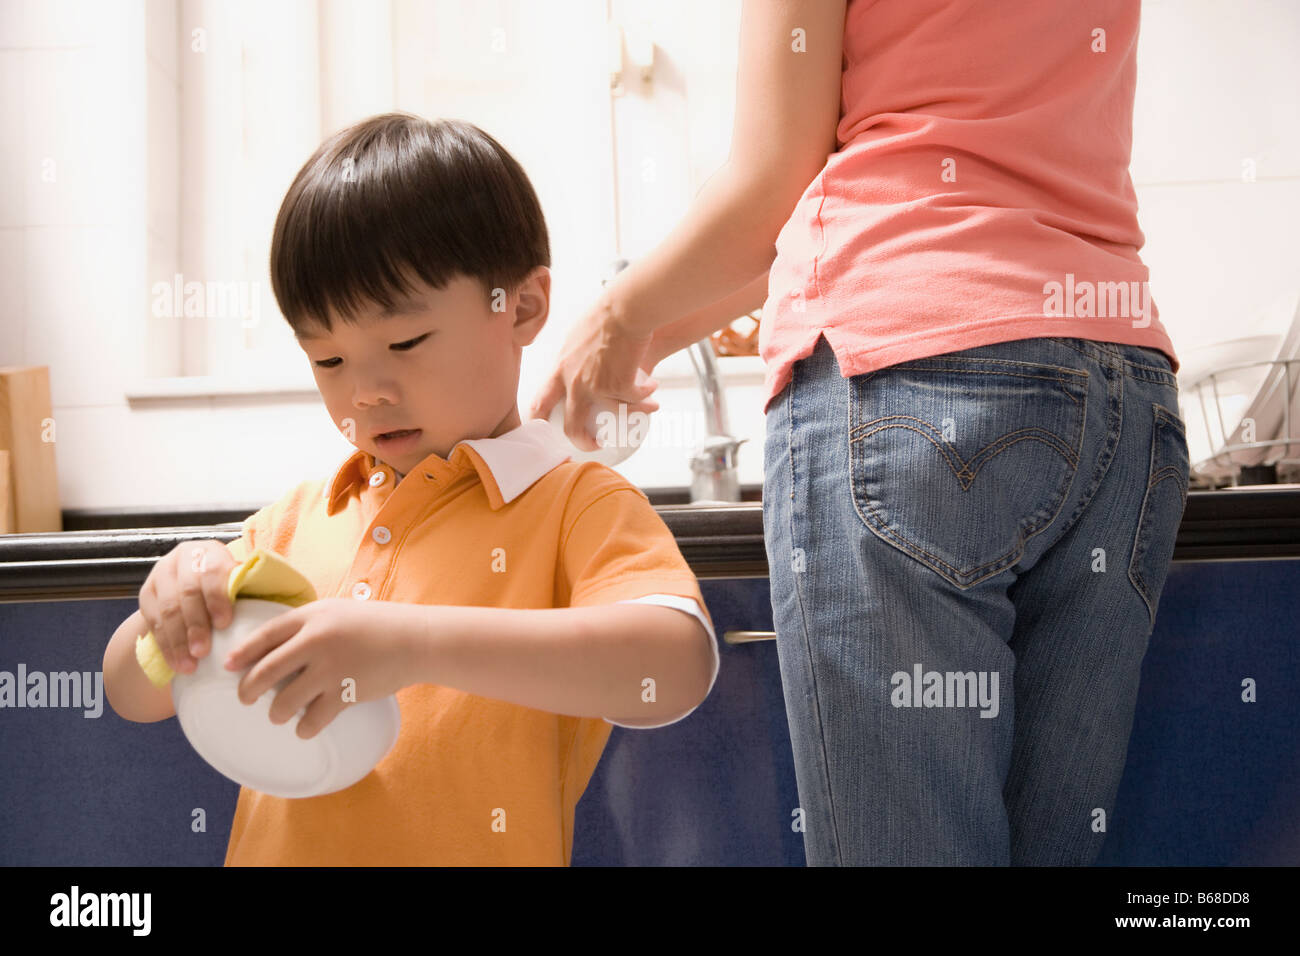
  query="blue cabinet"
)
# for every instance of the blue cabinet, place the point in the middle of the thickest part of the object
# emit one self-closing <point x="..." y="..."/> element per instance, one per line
<point x="714" y="789"/>
<point x="1211" y="779"/>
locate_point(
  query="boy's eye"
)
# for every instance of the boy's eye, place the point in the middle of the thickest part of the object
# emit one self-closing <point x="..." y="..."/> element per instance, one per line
<point x="398" y="346"/>
<point x="407" y="346"/>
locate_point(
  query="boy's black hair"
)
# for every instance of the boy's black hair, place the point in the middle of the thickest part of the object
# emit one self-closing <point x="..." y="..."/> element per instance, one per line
<point x="397" y="196"/>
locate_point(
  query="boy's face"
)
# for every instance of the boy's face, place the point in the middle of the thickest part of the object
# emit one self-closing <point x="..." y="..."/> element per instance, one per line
<point x="443" y="363"/>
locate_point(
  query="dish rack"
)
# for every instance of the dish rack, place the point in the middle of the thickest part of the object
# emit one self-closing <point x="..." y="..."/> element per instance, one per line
<point x="1224" y="467"/>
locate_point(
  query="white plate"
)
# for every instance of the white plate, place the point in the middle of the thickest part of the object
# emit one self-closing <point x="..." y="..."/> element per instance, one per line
<point x="240" y="741"/>
<point x="629" y="431"/>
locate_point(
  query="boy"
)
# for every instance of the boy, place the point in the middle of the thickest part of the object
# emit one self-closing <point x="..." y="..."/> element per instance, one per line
<point x="517" y="602"/>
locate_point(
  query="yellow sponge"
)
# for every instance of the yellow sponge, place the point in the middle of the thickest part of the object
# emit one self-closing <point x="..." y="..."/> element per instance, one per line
<point x="265" y="575"/>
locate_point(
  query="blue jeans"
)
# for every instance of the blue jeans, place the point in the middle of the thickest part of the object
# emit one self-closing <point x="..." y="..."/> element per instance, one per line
<point x="966" y="556"/>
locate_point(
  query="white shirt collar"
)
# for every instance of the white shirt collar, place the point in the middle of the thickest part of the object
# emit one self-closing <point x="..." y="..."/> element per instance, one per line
<point x="507" y="465"/>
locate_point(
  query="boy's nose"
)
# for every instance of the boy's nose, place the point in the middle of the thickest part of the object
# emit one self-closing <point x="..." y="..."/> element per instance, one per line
<point x="374" y="394"/>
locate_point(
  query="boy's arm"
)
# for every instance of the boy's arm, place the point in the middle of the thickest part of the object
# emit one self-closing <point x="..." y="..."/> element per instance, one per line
<point x="130" y="693"/>
<point x="630" y="663"/>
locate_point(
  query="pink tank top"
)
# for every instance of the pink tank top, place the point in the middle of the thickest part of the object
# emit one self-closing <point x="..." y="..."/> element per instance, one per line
<point x="980" y="192"/>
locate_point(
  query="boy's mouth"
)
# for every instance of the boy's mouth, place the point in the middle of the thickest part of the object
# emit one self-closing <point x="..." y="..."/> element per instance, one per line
<point x="394" y="437"/>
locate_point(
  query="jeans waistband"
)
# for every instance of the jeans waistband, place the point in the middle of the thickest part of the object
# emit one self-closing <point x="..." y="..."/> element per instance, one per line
<point x="1141" y="362"/>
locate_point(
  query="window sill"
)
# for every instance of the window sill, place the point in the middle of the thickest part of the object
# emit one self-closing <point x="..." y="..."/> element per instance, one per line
<point x="676" y="370"/>
<point x="186" y="387"/>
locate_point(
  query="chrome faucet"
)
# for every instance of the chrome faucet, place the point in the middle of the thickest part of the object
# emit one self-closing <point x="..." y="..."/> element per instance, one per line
<point x="713" y="464"/>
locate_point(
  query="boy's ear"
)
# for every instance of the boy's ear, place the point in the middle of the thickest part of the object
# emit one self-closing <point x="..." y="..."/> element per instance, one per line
<point x="534" y="305"/>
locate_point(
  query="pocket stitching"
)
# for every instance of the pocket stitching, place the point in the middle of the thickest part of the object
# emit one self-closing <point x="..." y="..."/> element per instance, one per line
<point x="955" y="363"/>
<point x="1163" y="414"/>
<point x="1161" y="418"/>
<point x="992" y="450"/>
<point x="879" y="527"/>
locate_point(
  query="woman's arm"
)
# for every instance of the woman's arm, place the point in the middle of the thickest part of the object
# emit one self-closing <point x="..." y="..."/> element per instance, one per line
<point x="702" y="323"/>
<point x="787" y="109"/>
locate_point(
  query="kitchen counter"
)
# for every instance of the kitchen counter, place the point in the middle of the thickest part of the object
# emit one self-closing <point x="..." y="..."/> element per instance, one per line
<point x="108" y="555"/>
<point x="1210" y="778"/>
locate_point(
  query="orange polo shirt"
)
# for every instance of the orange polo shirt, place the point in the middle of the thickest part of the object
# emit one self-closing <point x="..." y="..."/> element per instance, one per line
<point x="507" y="522"/>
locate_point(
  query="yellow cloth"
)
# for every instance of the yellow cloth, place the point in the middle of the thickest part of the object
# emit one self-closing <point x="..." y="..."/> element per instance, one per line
<point x="265" y="575"/>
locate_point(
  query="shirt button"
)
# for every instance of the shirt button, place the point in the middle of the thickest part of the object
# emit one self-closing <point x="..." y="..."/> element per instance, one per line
<point x="361" y="590"/>
<point x="377" y="479"/>
<point x="381" y="534"/>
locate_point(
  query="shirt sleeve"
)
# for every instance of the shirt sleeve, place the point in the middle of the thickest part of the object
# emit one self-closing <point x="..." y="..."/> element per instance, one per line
<point x="691" y="608"/>
<point x="272" y="527"/>
<point x="616" y="549"/>
<point x="253" y="532"/>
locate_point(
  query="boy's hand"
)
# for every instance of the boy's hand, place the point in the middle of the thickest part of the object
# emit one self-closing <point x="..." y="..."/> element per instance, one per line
<point x="184" y="598"/>
<point x="326" y="642"/>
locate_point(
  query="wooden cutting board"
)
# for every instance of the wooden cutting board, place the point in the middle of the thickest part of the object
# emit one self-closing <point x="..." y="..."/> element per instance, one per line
<point x="29" y="480"/>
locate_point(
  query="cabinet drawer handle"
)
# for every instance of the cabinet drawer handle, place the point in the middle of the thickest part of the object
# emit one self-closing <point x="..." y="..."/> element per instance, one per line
<point x="744" y="637"/>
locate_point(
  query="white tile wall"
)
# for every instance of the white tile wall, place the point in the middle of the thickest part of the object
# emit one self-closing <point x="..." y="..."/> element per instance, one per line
<point x="16" y="107"/>
<point x="85" y="296"/>
<point x="162" y="39"/>
<point x="95" y="87"/>
<point x="48" y="24"/>
<point x="1219" y="253"/>
<point x="84" y="133"/>
<point x="13" y="295"/>
<point x="1217" y="84"/>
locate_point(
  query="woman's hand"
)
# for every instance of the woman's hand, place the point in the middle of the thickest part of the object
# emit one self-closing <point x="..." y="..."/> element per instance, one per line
<point x="328" y="641"/>
<point x="601" y="364"/>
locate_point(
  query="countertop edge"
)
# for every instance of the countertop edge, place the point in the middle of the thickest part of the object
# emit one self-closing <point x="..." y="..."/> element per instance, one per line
<point x="725" y="541"/>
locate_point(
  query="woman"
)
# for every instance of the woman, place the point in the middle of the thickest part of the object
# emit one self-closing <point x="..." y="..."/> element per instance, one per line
<point x="974" y="464"/>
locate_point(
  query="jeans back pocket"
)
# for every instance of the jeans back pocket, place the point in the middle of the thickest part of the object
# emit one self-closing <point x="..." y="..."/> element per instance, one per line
<point x="959" y="460"/>
<point x="1162" y="507"/>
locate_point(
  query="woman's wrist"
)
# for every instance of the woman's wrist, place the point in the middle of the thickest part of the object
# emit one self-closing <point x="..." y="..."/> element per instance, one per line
<point x="726" y="239"/>
<point x="616" y="313"/>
